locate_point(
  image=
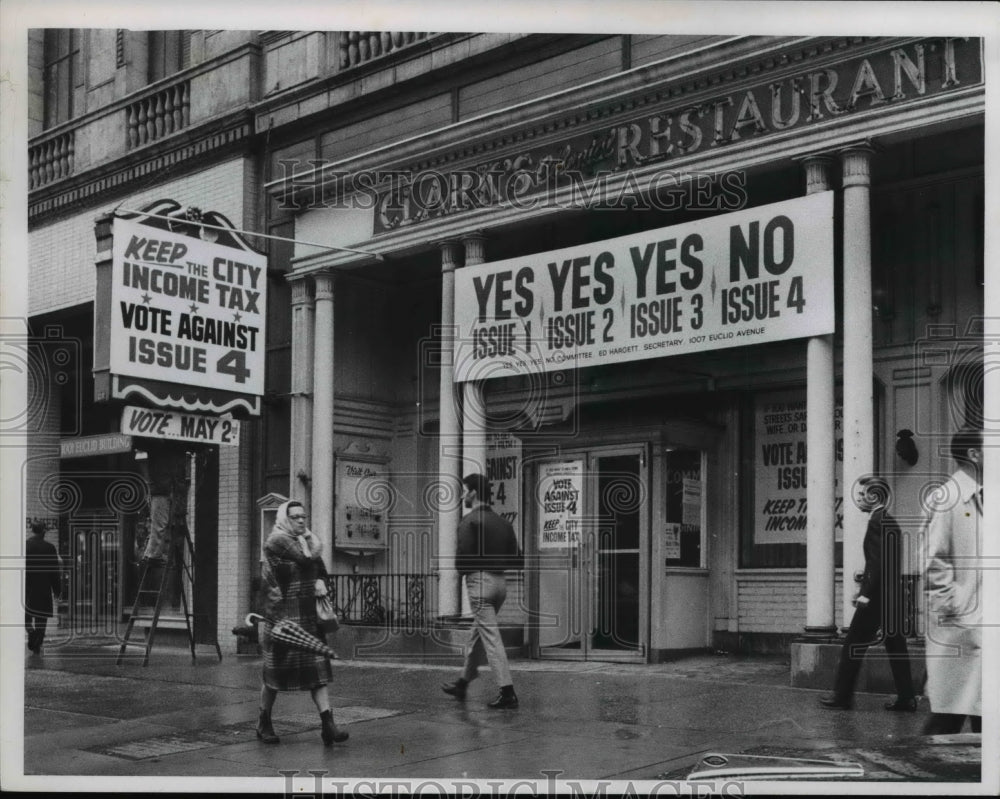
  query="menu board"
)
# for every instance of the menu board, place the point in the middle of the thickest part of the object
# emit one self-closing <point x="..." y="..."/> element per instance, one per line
<point x="364" y="495"/>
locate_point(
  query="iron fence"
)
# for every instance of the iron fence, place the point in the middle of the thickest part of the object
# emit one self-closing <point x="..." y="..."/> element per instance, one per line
<point x="398" y="601"/>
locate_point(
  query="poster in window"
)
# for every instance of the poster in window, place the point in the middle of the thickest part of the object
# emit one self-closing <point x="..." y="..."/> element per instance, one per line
<point x="672" y="540"/>
<point x="560" y="492"/>
<point x="684" y="500"/>
<point x="503" y="468"/>
<point x="780" y="474"/>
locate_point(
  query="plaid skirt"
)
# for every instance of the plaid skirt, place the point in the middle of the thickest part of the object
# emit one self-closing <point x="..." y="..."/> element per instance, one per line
<point x="288" y="669"/>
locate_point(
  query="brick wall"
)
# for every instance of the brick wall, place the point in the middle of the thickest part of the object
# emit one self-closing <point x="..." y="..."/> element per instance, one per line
<point x="775" y="602"/>
<point x="237" y="564"/>
<point x="61" y="254"/>
<point x="61" y="264"/>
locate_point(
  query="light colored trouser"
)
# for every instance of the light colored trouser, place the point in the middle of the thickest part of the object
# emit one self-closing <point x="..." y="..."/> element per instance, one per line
<point x="487" y="592"/>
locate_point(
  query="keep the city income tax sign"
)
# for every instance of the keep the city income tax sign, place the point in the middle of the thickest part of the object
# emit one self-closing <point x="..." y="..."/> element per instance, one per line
<point x="759" y="275"/>
<point x="187" y="311"/>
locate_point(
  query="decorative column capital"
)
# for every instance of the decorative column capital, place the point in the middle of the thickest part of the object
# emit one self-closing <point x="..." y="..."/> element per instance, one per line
<point x="449" y="254"/>
<point x="324" y="285"/>
<point x="301" y="295"/>
<point x="856" y="164"/>
<point x="817" y="168"/>
<point x="475" y="248"/>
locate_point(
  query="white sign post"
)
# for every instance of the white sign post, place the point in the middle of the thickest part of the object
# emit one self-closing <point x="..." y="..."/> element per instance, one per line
<point x="760" y="275"/>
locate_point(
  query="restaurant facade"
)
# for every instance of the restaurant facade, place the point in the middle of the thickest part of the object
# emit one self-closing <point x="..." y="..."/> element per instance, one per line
<point x="674" y="295"/>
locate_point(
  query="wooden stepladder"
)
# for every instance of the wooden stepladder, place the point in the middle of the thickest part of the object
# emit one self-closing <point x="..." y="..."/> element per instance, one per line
<point x="180" y="556"/>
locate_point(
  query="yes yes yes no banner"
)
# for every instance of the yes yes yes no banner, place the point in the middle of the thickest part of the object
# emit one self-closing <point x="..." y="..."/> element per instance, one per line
<point x="760" y="275"/>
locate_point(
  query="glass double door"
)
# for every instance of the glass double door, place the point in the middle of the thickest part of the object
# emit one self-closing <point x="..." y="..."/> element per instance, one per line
<point x="592" y="512"/>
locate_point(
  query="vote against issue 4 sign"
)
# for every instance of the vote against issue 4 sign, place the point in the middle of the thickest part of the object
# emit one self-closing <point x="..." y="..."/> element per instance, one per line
<point x="159" y="423"/>
<point x="187" y="311"/>
<point x="759" y="275"/>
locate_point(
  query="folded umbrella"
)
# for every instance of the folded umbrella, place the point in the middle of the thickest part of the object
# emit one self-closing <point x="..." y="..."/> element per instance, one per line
<point x="293" y="636"/>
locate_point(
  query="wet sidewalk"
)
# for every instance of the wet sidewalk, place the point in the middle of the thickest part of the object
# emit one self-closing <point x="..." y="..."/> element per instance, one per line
<point x="583" y="721"/>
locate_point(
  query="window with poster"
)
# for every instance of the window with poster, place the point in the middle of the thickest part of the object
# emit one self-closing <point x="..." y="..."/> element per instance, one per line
<point x="773" y="493"/>
<point x="684" y="508"/>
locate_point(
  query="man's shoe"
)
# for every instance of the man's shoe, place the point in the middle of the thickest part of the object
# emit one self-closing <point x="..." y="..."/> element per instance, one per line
<point x="456" y="689"/>
<point x="903" y="705"/>
<point x="506" y="701"/>
<point x="835" y="703"/>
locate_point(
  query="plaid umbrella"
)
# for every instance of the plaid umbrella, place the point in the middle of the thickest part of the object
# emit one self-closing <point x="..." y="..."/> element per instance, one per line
<point x="293" y="636"/>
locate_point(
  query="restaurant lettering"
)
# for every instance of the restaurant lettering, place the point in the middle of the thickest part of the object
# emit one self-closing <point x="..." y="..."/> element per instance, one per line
<point x="583" y="164"/>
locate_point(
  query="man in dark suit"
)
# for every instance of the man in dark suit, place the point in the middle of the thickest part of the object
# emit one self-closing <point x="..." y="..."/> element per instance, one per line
<point x="41" y="581"/>
<point x="486" y="547"/>
<point x="880" y="604"/>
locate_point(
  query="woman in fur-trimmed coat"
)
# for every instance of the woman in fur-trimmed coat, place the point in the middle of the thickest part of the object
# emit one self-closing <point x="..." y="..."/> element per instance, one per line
<point x="293" y="577"/>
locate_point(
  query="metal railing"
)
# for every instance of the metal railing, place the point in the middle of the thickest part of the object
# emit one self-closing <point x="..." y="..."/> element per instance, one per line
<point x="398" y="601"/>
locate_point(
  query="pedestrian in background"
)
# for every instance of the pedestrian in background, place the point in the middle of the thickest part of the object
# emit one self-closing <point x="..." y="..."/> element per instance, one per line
<point x="42" y="581"/>
<point x="294" y="575"/>
<point x="880" y="604"/>
<point x="953" y="581"/>
<point x="486" y="547"/>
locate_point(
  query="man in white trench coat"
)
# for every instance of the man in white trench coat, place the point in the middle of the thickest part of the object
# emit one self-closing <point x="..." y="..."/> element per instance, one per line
<point x="954" y="593"/>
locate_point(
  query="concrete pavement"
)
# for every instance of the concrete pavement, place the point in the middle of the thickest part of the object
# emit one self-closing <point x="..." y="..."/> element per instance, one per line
<point x="83" y="715"/>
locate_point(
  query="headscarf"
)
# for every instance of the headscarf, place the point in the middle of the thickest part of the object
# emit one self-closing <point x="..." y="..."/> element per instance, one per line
<point x="283" y="544"/>
<point x="310" y="543"/>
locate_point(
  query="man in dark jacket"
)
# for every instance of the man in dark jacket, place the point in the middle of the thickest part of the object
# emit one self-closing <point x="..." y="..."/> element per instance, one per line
<point x="486" y="547"/>
<point x="41" y="581"/>
<point x="880" y="604"/>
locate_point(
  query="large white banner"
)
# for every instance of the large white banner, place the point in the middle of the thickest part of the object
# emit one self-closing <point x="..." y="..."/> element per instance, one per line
<point x="187" y="311"/>
<point x="760" y="275"/>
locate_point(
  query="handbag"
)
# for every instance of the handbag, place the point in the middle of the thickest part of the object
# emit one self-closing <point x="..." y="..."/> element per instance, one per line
<point x="326" y="616"/>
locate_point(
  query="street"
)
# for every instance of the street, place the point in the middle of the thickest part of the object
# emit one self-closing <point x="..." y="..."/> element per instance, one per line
<point x="577" y="721"/>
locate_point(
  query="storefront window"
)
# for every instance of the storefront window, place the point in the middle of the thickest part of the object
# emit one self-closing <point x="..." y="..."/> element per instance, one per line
<point x="684" y="512"/>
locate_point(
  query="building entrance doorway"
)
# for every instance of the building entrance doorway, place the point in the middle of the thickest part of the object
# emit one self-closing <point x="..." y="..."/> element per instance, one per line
<point x="592" y="517"/>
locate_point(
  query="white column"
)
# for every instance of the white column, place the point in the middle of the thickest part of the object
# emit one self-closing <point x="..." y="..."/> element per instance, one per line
<point x="301" y="406"/>
<point x="449" y="441"/>
<point x="859" y="426"/>
<point x="321" y="521"/>
<point x="473" y="400"/>
<point x="820" y="490"/>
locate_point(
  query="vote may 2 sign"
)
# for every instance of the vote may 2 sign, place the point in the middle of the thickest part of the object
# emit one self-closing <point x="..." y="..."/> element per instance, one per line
<point x="759" y="275"/>
<point x="187" y="311"/>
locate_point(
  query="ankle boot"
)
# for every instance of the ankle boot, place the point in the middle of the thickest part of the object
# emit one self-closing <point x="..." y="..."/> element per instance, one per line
<point x="330" y="733"/>
<point x="507" y="699"/>
<point x="264" y="729"/>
